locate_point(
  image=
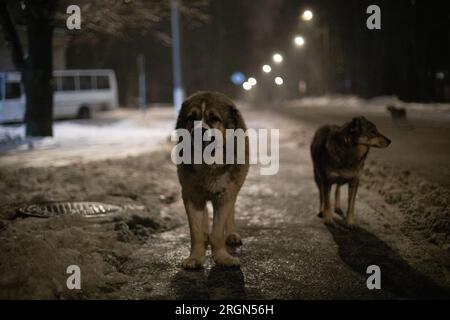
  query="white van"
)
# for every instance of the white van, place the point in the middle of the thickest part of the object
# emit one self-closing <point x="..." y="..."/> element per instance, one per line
<point x="78" y="93"/>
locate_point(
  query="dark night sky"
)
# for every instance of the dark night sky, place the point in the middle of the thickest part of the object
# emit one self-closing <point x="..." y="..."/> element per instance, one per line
<point x="402" y="58"/>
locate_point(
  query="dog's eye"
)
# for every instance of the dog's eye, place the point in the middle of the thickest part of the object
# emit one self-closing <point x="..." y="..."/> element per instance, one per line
<point x="214" y="118"/>
<point x="192" y="117"/>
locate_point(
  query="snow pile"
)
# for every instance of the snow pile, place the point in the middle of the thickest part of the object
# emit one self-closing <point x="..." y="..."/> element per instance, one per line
<point x="328" y="100"/>
<point x="426" y="205"/>
<point x="73" y="134"/>
<point x="36" y="252"/>
<point x="11" y="137"/>
<point x="376" y="103"/>
<point x="91" y="140"/>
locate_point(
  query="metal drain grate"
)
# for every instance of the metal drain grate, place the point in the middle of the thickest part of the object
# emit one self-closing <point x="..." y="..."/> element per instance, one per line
<point x="52" y="209"/>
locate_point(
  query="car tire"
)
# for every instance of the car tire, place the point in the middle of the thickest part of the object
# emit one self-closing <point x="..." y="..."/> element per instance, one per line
<point x="84" y="113"/>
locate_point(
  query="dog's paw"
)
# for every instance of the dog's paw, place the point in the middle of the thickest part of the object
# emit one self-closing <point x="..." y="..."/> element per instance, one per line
<point x="320" y="214"/>
<point x="224" y="259"/>
<point x="234" y="239"/>
<point x="339" y="211"/>
<point x="350" y="224"/>
<point x="328" y="221"/>
<point x="192" y="263"/>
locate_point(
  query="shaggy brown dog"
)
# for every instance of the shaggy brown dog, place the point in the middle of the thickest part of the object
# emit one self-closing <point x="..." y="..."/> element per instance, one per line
<point x="218" y="183"/>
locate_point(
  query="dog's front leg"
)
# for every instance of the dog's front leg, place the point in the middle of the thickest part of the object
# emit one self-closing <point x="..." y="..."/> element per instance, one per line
<point x="352" y="189"/>
<point x="222" y="211"/>
<point x="232" y="236"/>
<point x="195" y="214"/>
<point x="337" y="201"/>
<point x="321" y="197"/>
<point x="328" y="216"/>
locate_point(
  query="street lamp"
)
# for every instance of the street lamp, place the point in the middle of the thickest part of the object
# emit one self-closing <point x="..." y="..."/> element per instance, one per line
<point x="279" y="81"/>
<point x="266" y="68"/>
<point x="299" y="41"/>
<point x="277" y="58"/>
<point x="252" y="81"/>
<point x="247" y="86"/>
<point x="307" y="15"/>
<point x="178" y="91"/>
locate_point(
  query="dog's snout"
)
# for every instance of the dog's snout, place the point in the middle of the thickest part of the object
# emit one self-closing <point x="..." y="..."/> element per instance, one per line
<point x="388" y="141"/>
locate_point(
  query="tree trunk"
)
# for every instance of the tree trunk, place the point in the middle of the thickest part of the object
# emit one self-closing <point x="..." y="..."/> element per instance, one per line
<point x="38" y="78"/>
<point x="11" y="36"/>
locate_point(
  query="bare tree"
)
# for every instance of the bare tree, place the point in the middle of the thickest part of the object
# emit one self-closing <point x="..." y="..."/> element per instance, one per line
<point x="134" y="19"/>
<point x="118" y="18"/>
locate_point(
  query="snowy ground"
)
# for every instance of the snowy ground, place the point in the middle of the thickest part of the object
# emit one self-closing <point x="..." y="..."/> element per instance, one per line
<point x="414" y="172"/>
<point x="374" y="104"/>
<point x="401" y="211"/>
<point x="113" y="134"/>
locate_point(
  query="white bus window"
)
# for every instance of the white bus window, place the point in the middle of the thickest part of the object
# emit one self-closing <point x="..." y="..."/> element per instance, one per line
<point x="86" y="83"/>
<point x="68" y="83"/>
<point x="102" y="82"/>
<point x="12" y="90"/>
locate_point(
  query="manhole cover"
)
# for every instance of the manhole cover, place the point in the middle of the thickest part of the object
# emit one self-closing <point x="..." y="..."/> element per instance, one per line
<point x="52" y="209"/>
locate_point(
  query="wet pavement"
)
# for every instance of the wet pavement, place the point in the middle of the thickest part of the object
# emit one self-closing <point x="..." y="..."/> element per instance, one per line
<point x="288" y="253"/>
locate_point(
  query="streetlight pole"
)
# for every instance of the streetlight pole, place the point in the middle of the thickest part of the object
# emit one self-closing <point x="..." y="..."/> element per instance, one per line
<point x="178" y="91"/>
<point x="141" y="71"/>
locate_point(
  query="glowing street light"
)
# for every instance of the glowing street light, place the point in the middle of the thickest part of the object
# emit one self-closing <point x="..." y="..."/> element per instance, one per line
<point x="277" y="58"/>
<point x="252" y="81"/>
<point x="299" y="41"/>
<point x="247" y="86"/>
<point x="279" y="81"/>
<point x="266" y="68"/>
<point x="307" y="15"/>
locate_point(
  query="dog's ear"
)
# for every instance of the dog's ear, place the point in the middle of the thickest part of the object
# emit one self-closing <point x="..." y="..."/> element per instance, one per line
<point x="355" y="125"/>
<point x="182" y="119"/>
